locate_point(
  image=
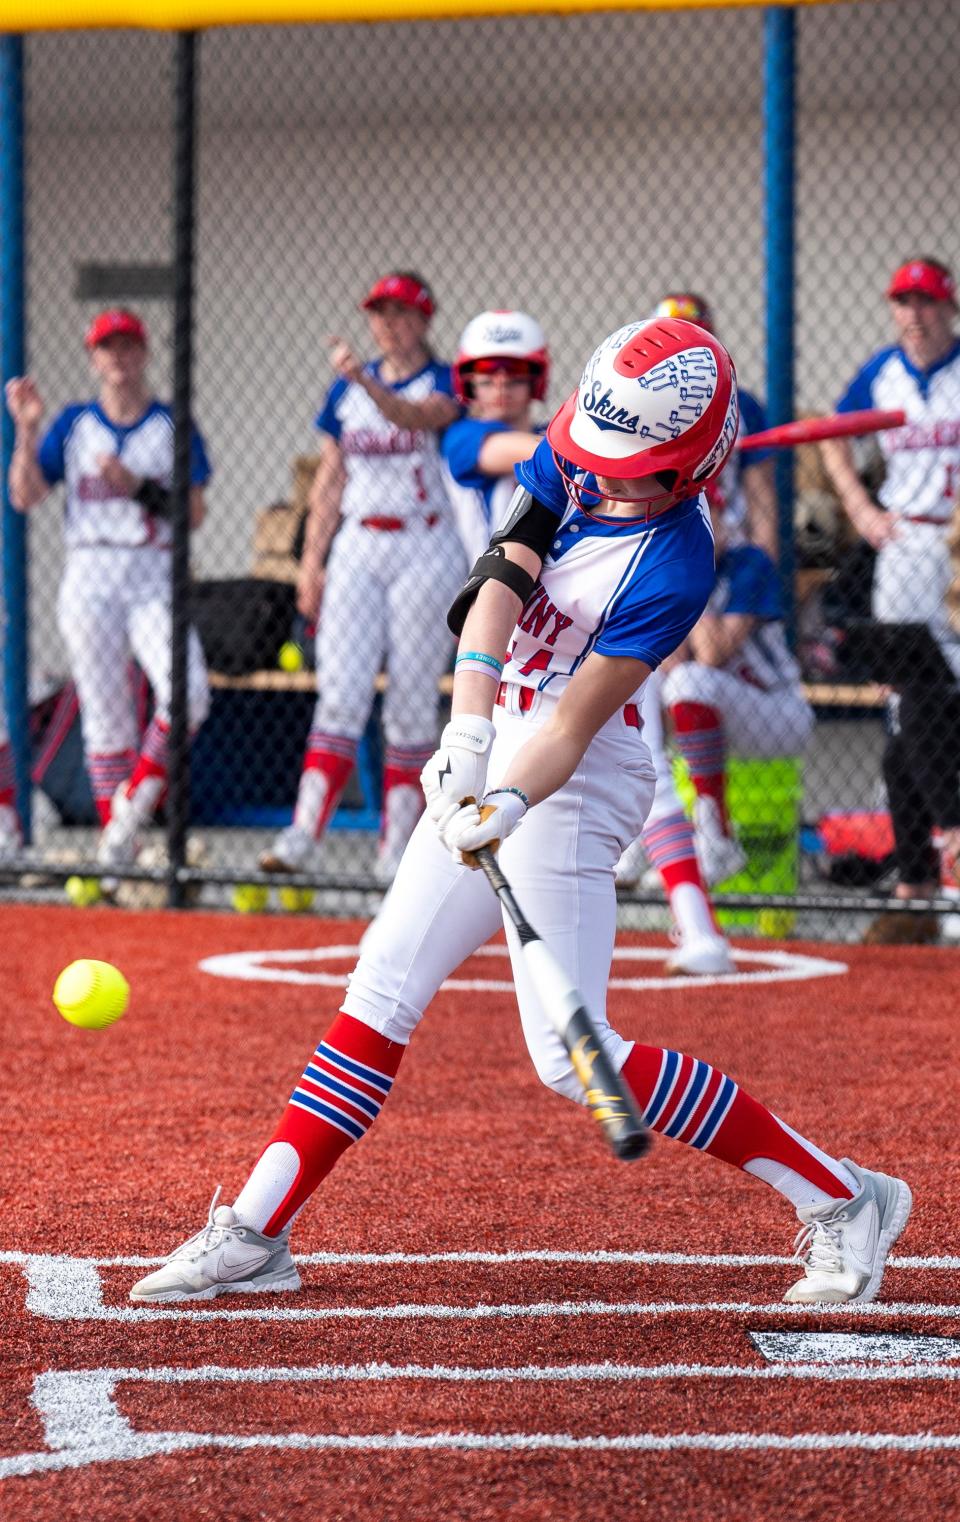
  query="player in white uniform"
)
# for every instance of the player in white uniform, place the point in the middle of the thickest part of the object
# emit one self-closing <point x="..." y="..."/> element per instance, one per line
<point x="380" y="510"/>
<point x="745" y="488"/>
<point x="736" y="690"/>
<point x="920" y="374"/>
<point x="603" y="567"/>
<point x="116" y="457"/>
<point x="502" y="367"/>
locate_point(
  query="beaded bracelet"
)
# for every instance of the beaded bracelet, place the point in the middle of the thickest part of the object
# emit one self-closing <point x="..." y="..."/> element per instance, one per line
<point x="517" y="790"/>
<point x="484" y="660"/>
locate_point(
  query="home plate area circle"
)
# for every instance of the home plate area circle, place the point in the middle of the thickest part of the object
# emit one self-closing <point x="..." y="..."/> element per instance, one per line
<point x="310" y="966"/>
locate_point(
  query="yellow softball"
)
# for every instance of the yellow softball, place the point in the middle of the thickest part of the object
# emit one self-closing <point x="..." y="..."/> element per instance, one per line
<point x="83" y="891"/>
<point x="290" y="657"/>
<point x="91" y="994"/>
<point x="296" y="900"/>
<point x="250" y="898"/>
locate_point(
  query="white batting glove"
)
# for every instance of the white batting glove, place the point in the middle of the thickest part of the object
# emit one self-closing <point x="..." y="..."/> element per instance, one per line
<point x="458" y="769"/>
<point x="484" y="825"/>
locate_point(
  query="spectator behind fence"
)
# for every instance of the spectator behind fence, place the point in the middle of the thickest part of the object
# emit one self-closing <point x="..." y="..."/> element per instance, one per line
<point x="908" y="527"/>
<point x="115" y="455"/>
<point x="736" y="690"/>
<point x="501" y="369"/>
<point x="379" y="509"/>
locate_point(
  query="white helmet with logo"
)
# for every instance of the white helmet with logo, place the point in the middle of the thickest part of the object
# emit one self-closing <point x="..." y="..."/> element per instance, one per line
<point x="657" y="398"/>
<point x="510" y="340"/>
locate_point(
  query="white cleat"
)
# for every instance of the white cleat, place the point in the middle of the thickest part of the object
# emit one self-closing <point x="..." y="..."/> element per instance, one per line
<point x="700" y="956"/>
<point x="721" y="855"/>
<point x="224" y="1258"/>
<point x="292" y="851"/>
<point x="843" y="1246"/>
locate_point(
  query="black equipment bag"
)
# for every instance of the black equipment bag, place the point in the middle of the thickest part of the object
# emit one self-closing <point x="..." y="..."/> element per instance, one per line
<point x="242" y="623"/>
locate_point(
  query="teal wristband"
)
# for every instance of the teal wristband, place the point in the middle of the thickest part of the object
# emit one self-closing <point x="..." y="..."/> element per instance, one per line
<point x="478" y="655"/>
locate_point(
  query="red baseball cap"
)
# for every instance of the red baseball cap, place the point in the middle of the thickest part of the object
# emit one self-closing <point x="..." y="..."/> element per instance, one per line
<point x="926" y="278"/>
<point x="116" y="323"/>
<point x="403" y="288"/>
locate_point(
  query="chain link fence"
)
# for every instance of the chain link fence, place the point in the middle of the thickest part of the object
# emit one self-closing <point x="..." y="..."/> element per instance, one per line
<point x="576" y="169"/>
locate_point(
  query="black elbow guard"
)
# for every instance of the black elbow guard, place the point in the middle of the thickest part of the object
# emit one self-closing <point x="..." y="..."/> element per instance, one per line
<point x="528" y="523"/>
<point x="493" y="565"/>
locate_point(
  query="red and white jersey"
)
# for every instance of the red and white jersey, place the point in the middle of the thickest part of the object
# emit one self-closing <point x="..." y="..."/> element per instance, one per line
<point x="391" y="472"/>
<point x="70" y="451"/>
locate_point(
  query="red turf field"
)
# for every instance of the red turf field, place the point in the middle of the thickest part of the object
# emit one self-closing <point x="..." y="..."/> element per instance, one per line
<point x="665" y="1378"/>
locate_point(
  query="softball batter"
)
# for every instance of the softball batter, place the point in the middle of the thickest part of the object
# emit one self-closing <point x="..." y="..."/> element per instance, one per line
<point x="393" y="566"/>
<point x="115" y="455"/>
<point x="603" y="568"/>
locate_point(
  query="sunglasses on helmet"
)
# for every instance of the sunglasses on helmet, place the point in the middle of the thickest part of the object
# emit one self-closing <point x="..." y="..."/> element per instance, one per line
<point x="517" y="369"/>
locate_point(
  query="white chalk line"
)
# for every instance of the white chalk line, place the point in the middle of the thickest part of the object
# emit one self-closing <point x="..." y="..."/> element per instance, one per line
<point x="83" y="1424"/>
<point x="598" y="1256"/>
<point x="274" y="966"/>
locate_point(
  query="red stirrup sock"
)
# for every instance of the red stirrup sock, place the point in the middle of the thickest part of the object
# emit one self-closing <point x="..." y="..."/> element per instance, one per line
<point x="698" y="730"/>
<point x="108" y="771"/>
<point x="335" y="1102"/>
<point x="669" y="844"/>
<point x="326" y="770"/>
<point x="692" y="1102"/>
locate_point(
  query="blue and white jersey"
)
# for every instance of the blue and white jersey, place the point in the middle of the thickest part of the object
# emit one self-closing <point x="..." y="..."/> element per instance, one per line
<point x="391" y="472"/>
<point x="70" y="450"/>
<point x="923" y="457"/>
<point x="748" y="582"/>
<point x="619" y="586"/>
<point x="480" y="502"/>
<point x="729" y="487"/>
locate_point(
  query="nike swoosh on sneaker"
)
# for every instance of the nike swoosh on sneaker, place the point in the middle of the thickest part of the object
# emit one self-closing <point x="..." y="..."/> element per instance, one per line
<point x="245" y="1265"/>
<point x="864" y="1246"/>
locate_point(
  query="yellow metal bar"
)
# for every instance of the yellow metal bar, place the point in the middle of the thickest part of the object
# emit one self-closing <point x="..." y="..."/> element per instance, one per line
<point x="189" y="15"/>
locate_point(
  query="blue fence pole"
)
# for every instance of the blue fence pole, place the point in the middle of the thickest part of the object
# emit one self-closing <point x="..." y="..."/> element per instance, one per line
<point x="779" y="136"/>
<point x="13" y="349"/>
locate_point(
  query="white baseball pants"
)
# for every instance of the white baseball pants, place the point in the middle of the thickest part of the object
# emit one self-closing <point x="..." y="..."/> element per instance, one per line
<point x="385" y="599"/>
<point x="757" y="724"/>
<point x="114" y="603"/>
<point x="560" y="862"/>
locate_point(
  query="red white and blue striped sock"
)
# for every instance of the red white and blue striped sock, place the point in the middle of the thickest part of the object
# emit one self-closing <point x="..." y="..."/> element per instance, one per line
<point x="669" y="844"/>
<point x="327" y="765"/>
<point x="698" y="730"/>
<point x="107" y="771"/>
<point x="335" y="1102"/>
<point x="690" y="1101"/>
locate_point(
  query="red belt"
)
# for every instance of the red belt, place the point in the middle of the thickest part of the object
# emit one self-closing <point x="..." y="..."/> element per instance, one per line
<point x="525" y="697"/>
<point x="394" y="525"/>
<point x="940" y="522"/>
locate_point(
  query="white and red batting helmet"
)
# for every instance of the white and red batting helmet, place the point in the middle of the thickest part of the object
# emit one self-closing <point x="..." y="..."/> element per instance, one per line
<point x="509" y="340"/>
<point x="657" y="398"/>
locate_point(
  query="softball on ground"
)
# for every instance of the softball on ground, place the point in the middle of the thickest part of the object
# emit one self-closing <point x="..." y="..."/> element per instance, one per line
<point x="249" y="898"/>
<point x="290" y="657"/>
<point x="83" y="891"/>
<point x="91" y="994"/>
<point x="296" y="900"/>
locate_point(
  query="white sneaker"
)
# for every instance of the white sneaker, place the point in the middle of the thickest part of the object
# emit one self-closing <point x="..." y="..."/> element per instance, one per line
<point x="632" y="865"/>
<point x="721" y="855"/>
<point x="700" y="956"/>
<point x="843" y="1245"/>
<point x="291" y="851"/>
<point x="223" y="1258"/>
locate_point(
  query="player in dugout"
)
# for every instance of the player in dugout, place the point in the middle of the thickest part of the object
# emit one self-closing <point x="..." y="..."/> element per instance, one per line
<point x="610" y="522"/>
